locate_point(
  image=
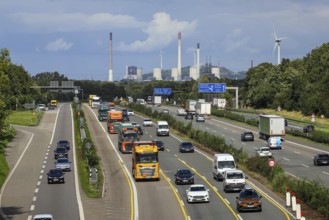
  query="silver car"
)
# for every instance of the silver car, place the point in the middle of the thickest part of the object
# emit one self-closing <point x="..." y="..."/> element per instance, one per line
<point x="64" y="164"/>
<point x="199" y="118"/>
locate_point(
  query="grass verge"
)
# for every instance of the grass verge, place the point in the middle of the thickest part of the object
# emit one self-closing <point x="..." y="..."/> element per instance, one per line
<point x="26" y="118"/>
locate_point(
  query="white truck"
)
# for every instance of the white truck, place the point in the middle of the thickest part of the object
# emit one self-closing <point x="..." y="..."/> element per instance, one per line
<point x="203" y="108"/>
<point x="219" y="103"/>
<point x="271" y="126"/>
<point x="162" y="128"/>
<point x="157" y="100"/>
<point x="95" y="102"/>
<point x="190" y="106"/>
<point x="221" y="164"/>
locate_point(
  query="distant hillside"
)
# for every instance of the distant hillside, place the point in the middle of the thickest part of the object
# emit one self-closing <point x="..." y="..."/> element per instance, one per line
<point x="224" y="73"/>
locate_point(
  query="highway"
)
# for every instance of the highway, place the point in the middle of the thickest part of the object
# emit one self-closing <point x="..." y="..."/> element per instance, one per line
<point x="296" y="156"/>
<point x="161" y="197"/>
<point x="27" y="191"/>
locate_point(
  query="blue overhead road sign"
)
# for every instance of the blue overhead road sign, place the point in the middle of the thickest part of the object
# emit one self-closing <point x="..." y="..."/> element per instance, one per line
<point x="162" y="91"/>
<point x="212" y="87"/>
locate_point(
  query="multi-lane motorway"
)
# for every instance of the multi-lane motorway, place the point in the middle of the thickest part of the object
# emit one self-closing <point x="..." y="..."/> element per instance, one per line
<point x="26" y="191"/>
<point x="161" y="197"/>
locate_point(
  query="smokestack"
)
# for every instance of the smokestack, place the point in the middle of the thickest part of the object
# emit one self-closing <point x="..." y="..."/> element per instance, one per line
<point x="111" y="70"/>
<point x="198" y="60"/>
<point x="179" y="64"/>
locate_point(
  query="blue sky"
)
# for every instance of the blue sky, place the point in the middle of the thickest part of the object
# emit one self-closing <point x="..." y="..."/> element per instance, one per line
<point x="72" y="36"/>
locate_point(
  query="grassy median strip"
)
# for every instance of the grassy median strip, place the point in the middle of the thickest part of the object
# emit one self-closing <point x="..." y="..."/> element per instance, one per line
<point x="26" y="118"/>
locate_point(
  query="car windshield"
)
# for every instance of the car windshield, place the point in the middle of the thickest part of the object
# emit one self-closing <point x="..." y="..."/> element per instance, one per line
<point x="226" y="164"/>
<point x="248" y="134"/>
<point x="265" y="149"/>
<point x="55" y="171"/>
<point x="249" y="194"/>
<point x="61" y="149"/>
<point x="324" y="156"/>
<point x="184" y="172"/>
<point x="147" y="120"/>
<point x="62" y="160"/>
<point x="163" y="126"/>
<point x="187" y="144"/>
<point x="159" y="143"/>
<point x="234" y="176"/>
<point x="197" y="188"/>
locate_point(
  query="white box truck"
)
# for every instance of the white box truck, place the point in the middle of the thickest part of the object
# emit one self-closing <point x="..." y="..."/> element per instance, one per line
<point x="203" y="108"/>
<point x="190" y="106"/>
<point x="157" y="100"/>
<point x="221" y="164"/>
<point x="271" y="126"/>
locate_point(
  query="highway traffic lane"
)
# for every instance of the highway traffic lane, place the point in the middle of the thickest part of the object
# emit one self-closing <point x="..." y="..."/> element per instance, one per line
<point x="60" y="200"/>
<point x="117" y="200"/>
<point x="155" y="198"/>
<point x="203" y="166"/>
<point x="18" y="193"/>
<point x="216" y="207"/>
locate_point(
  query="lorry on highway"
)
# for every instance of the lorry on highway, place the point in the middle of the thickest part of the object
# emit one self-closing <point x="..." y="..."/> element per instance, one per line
<point x="113" y="120"/>
<point x="221" y="164"/>
<point x="190" y="106"/>
<point x="95" y="102"/>
<point x="102" y="112"/>
<point x="145" y="161"/>
<point x="271" y="126"/>
<point x="128" y="134"/>
<point x="90" y="99"/>
<point x="203" y="108"/>
<point x="53" y="103"/>
<point x="157" y="100"/>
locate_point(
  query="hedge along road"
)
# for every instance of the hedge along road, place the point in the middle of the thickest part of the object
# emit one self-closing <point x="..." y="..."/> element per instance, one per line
<point x="156" y="199"/>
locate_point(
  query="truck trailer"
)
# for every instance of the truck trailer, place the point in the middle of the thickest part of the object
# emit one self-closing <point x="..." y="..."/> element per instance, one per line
<point x="271" y="126"/>
<point x="203" y="108"/>
<point x="157" y="100"/>
<point x="190" y="106"/>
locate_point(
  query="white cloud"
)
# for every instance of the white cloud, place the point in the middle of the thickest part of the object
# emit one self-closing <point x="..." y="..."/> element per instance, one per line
<point x="70" y="22"/>
<point x="161" y="31"/>
<point x="57" y="45"/>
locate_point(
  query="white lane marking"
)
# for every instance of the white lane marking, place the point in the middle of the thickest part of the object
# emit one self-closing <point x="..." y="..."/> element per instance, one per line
<point x="34" y="198"/>
<point x="47" y="153"/>
<point x="36" y="190"/>
<point x="45" y="162"/>
<point x="296" y="152"/>
<point x="305" y="165"/>
<point x="40" y="177"/>
<point x="38" y="183"/>
<point x="42" y="171"/>
<point x="77" y="187"/>
<point x="43" y="166"/>
<point x="32" y="208"/>
<point x="29" y="217"/>
<point x="325" y="173"/>
<point x="239" y="216"/>
<point x="228" y="202"/>
<point x="215" y="188"/>
<point x="13" y="170"/>
<point x="46" y="157"/>
<point x="286" y="159"/>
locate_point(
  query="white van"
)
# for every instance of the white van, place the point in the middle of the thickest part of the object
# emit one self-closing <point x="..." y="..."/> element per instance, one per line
<point x="162" y="128"/>
<point x="222" y="163"/>
<point x="234" y="180"/>
<point x="274" y="143"/>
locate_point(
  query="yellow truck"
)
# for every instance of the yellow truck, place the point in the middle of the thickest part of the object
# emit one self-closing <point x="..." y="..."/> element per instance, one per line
<point x="90" y="100"/>
<point x="53" y="103"/>
<point x="145" y="161"/>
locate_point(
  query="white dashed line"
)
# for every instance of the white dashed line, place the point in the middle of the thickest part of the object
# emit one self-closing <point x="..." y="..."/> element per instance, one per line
<point x="325" y="173"/>
<point x="36" y="190"/>
<point x="296" y="152"/>
<point x="286" y="159"/>
<point x="215" y="188"/>
<point x="42" y="171"/>
<point x="47" y="153"/>
<point x="32" y="207"/>
<point x="45" y="162"/>
<point x="38" y="183"/>
<point x="40" y="177"/>
<point x="305" y="165"/>
<point x="43" y="166"/>
<point x="46" y="157"/>
<point x="34" y="199"/>
<point x="227" y="201"/>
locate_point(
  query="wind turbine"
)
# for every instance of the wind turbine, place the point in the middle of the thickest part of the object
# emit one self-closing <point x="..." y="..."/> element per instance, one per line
<point x="277" y="44"/>
<point x="161" y="54"/>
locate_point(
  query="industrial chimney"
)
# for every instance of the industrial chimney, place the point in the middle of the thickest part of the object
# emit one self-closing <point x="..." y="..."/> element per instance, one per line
<point x="179" y="63"/>
<point x="111" y="70"/>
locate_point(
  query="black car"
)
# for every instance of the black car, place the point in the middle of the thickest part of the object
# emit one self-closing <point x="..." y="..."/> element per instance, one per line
<point x="321" y="159"/>
<point x="184" y="176"/>
<point x="248" y="200"/>
<point x="189" y="116"/>
<point x="160" y="145"/>
<point x="64" y="143"/>
<point x="55" y="176"/>
<point x="60" y="152"/>
<point x="186" y="147"/>
<point x="247" y="136"/>
<point x="308" y="128"/>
